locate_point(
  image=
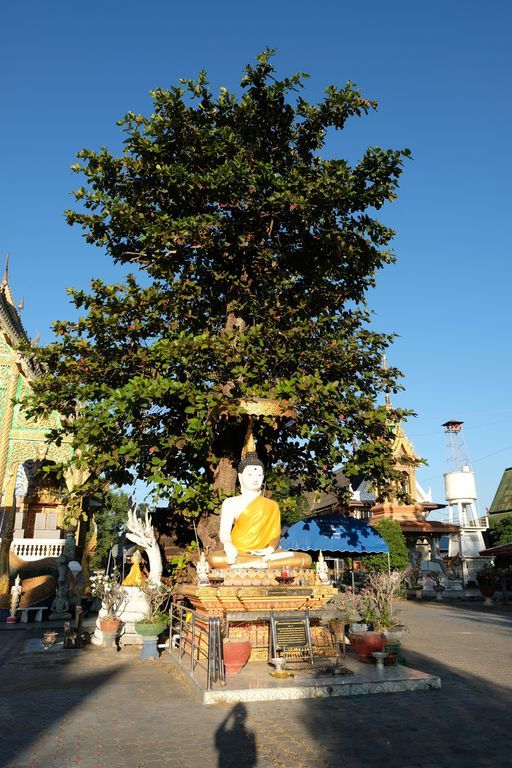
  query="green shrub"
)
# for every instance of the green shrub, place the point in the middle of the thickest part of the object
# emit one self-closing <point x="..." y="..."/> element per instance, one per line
<point x="398" y="553"/>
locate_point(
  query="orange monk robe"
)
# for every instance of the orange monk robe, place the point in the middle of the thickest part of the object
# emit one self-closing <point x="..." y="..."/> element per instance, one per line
<point x="258" y="526"/>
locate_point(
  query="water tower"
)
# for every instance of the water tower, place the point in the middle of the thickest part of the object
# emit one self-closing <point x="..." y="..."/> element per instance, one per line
<point x="461" y="495"/>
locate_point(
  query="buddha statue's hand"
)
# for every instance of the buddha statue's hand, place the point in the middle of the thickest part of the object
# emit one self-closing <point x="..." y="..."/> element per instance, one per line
<point x="231" y="552"/>
<point x="264" y="553"/>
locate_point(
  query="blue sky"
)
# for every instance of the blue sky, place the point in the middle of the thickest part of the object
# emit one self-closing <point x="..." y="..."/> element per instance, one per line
<point x="441" y="71"/>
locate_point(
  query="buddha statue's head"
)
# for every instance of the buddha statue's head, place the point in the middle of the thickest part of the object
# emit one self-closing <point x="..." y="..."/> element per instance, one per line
<point x="251" y="472"/>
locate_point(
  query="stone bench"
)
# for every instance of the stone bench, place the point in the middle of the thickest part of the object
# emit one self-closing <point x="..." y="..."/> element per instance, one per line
<point x="38" y="616"/>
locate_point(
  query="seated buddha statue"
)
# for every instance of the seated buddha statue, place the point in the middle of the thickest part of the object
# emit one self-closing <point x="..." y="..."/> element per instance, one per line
<point x="250" y="526"/>
<point x="134" y="577"/>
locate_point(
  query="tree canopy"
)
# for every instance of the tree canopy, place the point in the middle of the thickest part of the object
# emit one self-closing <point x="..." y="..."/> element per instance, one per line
<point x="110" y="520"/>
<point x="252" y="255"/>
<point x="500" y="530"/>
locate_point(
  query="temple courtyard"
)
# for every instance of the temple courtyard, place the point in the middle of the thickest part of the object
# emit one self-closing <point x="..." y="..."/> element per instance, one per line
<point x="97" y="709"/>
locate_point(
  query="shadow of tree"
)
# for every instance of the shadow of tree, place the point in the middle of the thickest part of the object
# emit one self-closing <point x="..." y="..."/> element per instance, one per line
<point x="466" y="720"/>
<point x="93" y="709"/>
<point x="39" y="693"/>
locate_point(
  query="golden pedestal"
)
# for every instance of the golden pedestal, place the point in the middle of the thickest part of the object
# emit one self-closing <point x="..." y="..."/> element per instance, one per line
<point x="218" y="600"/>
<point x="246" y="610"/>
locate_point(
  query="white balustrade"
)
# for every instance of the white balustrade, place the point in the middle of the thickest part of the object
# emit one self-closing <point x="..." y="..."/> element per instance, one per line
<point x="35" y="549"/>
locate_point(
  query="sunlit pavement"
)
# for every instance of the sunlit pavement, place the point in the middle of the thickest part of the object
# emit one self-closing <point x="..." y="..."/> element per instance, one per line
<point x="97" y="709"/>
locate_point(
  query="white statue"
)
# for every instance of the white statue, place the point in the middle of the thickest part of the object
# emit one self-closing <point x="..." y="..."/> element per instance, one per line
<point x="250" y="526"/>
<point x="321" y="569"/>
<point x="16" y="590"/>
<point x="203" y="569"/>
<point x="140" y="531"/>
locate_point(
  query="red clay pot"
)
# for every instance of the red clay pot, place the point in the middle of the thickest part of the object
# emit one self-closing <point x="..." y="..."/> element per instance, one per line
<point x="365" y="643"/>
<point x="236" y="654"/>
<point x="486" y="589"/>
<point x="110" y="625"/>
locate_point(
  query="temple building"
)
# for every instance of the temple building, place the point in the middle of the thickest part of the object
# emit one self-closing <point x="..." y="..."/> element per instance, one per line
<point x="39" y="522"/>
<point x="502" y="501"/>
<point x="420" y="532"/>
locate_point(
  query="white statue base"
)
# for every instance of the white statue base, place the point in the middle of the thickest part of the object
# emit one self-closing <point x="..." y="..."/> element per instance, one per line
<point x="134" y="609"/>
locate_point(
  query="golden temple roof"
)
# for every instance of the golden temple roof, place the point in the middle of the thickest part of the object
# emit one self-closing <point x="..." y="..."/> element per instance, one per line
<point x="10" y="320"/>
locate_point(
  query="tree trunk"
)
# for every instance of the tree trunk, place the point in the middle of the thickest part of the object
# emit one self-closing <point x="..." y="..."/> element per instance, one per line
<point x="228" y="445"/>
<point x="208" y="532"/>
<point x="225" y="477"/>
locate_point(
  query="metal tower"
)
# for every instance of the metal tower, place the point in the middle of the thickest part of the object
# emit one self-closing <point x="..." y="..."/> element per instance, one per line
<point x="461" y="495"/>
<point x="459" y="480"/>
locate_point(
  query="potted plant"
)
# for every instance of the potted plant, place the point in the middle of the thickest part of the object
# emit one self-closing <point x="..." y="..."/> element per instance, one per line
<point x="488" y="579"/>
<point x="380" y="591"/>
<point x="375" y="608"/>
<point x="155" y="621"/>
<point x="342" y="611"/>
<point x="108" y="589"/>
<point x="413" y="576"/>
<point x="437" y="579"/>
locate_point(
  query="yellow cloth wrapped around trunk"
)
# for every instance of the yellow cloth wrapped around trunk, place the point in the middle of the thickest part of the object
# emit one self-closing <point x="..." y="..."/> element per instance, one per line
<point x="258" y="526"/>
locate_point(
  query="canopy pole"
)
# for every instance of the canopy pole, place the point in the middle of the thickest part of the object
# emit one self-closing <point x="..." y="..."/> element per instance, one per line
<point x="389" y="563"/>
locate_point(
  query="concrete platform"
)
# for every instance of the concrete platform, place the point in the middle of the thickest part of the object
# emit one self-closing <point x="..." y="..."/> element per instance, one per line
<point x="255" y="683"/>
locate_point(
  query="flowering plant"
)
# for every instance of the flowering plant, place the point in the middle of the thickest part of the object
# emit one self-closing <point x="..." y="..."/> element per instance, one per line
<point x="156" y="596"/>
<point x="109" y="590"/>
<point x="381" y="589"/>
<point x="413" y="574"/>
<point x="373" y="603"/>
<point x="355" y="607"/>
<point x="437" y="577"/>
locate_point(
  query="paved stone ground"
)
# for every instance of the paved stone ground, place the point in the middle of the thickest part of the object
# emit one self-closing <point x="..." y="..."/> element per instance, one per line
<point x="93" y="709"/>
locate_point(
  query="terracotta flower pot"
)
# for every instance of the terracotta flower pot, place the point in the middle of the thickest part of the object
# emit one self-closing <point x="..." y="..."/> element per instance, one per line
<point x="487" y="588"/>
<point x="110" y="625"/>
<point x="365" y="643"/>
<point x="236" y="654"/>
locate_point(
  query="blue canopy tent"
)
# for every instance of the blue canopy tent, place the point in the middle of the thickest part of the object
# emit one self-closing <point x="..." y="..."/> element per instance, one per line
<point x="333" y="533"/>
<point x="339" y="534"/>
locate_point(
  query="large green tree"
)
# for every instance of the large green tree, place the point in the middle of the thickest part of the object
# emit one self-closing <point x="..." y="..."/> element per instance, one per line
<point x="110" y="519"/>
<point x="500" y="531"/>
<point x="253" y="256"/>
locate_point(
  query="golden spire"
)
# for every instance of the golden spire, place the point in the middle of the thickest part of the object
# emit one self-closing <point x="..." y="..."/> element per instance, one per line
<point x="249" y="444"/>
<point x="387" y="398"/>
<point x="5" y="278"/>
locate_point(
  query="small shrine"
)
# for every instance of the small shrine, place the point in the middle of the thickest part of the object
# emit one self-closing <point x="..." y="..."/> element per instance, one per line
<point x="252" y="579"/>
<point x="255" y="625"/>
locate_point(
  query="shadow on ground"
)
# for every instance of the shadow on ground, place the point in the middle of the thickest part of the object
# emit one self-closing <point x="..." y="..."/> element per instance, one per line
<point x="40" y="692"/>
<point x="92" y="710"/>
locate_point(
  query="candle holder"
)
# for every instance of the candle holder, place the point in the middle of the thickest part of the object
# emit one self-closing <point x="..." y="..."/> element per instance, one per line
<point x="280" y="672"/>
<point x="380" y="657"/>
<point x="285" y="579"/>
<point x="49" y="638"/>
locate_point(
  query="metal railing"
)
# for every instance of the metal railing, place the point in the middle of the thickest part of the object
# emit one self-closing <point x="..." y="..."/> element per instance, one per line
<point x="197" y="642"/>
<point x="480" y="523"/>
